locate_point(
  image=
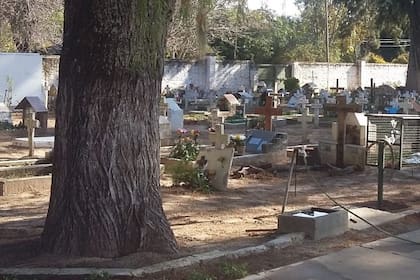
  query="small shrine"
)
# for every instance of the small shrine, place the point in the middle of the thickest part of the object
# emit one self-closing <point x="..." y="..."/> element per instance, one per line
<point x="33" y="104"/>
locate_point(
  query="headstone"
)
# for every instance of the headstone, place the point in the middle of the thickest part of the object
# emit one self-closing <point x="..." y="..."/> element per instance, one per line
<point x="164" y="131"/>
<point x="316" y="106"/>
<point x="256" y="140"/>
<point x="219" y="163"/>
<point x="406" y="106"/>
<point x="342" y="109"/>
<point x="304" y="119"/>
<point x="219" y="139"/>
<point x="175" y="114"/>
<point x="5" y="114"/>
<point x="268" y="111"/>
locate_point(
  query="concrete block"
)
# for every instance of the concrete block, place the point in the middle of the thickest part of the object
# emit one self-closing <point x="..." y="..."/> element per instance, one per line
<point x="20" y="185"/>
<point x="335" y="222"/>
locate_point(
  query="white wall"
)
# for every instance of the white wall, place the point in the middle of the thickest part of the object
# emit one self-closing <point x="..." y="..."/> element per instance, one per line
<point x="350" y="76"/>
<point x="26" y="74"/>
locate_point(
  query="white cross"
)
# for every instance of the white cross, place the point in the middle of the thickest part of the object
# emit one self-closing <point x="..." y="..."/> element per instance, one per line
<point x="316" y="106"/>
<point x="304" y="119"/>
<point x="219" y="139"/>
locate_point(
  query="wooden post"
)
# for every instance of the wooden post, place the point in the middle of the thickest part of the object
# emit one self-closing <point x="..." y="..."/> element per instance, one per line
<point x="30" y="123"/>
<point x="342" y="109"/>
<point x="268" y="111"/>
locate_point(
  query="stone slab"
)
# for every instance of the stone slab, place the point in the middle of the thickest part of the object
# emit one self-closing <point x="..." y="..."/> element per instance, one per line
<point x="20" y="185"/>
<point x="39" y="142"/>
<point x="349" y="264"/>
<point x="374" y="216"/>
<point x="397" y="246"/>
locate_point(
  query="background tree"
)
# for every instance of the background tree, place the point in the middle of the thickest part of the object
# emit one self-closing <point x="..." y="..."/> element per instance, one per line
<point x="395" y="17"/>
<point x="32" y="25"/>
<point x="105" y="197"/>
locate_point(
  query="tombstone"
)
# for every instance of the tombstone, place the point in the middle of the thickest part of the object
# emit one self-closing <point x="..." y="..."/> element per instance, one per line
<point x="342" y="110"/>
<point x="37" y="106"/>
<point x="258" y="141"/>
<point x="218" y="165"/>
<point x="165" y="131"/>
<point x="406" y="106"/>
<point x="304" y="119"/>
<point x="215" y="118"/>
<point x="5" y="114"/>
<point x="218" y="138"/>
<point x="268" y="111"/>
<point x="175" y="114"/>
<point x="316" y="106"/>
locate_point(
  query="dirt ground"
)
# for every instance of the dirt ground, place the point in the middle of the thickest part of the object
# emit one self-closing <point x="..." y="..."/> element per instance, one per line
<point x="244" y="215"/>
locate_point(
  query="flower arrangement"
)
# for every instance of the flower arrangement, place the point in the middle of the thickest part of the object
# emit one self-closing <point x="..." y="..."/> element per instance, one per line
<point x="237" y="140"/>
<point x="186" y="147"/>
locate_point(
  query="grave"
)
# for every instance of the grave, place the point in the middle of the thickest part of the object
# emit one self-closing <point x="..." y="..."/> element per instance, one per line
<point x="219" y="159"/>
<point x="402" y="132"/>
<point x="218" y="138"/>
<point x="316" y="223"/>
<point x="34" y="104"/>
<point x="316" y="106"/>
<point x="354" y="147"/>
<point x="406" y="106"/>
<point x="165" y="133"/>
<point x="261" y="141"/>
<point x="342" y="110"/>
<point x="219" y="163"/>
<point x="268" y="111"/>
<point x="175" y="114"/>
<point x="39" y="142"/>
<point x="304" y="119"/>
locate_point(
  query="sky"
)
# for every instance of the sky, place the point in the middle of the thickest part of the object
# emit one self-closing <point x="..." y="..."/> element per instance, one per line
<point x="281" y="7"/>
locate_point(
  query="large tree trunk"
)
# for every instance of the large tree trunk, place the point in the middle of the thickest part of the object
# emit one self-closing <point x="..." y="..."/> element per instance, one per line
<point x="413" y="74"/>
<point x="105" y="197"/>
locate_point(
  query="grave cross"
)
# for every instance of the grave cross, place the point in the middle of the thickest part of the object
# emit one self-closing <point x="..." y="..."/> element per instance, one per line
<point x="342" y="109"/>
<point x="406" y="106"/>
<point x="304" y="119"/>
<point x="316" y="106"/>
<point x="215" y="117"/>
<point x="268" y="111"/>
<point x="30" y="123"/>
<point x="219" y="139"/>
<point x="337" y="88"/>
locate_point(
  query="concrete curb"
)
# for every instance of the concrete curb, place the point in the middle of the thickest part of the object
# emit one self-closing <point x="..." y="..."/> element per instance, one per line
<point x="282" y="241"/>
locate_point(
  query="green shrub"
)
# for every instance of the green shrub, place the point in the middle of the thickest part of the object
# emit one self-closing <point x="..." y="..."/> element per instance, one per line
<point x="291" y="84"/>
<point x="234" y="271"/>
<point x="184" y="172"/>
<point x="375" y="58"/>
<point x="402" y="58"/>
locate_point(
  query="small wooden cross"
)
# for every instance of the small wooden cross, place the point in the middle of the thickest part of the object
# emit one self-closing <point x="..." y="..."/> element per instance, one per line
<point x="30" y="123"/>
<point x="304" y="119"/>
<point x="342" y="109"/>
<point x="268" y="111"/>
<point x="337" y="88"/>
<point x="219" y="139"/>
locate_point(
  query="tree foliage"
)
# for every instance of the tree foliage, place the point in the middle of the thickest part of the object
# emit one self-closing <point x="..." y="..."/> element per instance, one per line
<point x="32" y="25"/>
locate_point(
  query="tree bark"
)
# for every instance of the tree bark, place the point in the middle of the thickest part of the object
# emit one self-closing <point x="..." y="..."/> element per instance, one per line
<point x="413" y="73"/>
<point x="105" y="196"/>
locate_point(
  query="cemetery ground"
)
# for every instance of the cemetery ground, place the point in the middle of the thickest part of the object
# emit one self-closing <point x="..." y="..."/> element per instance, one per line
<point x="244" y="215"/>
